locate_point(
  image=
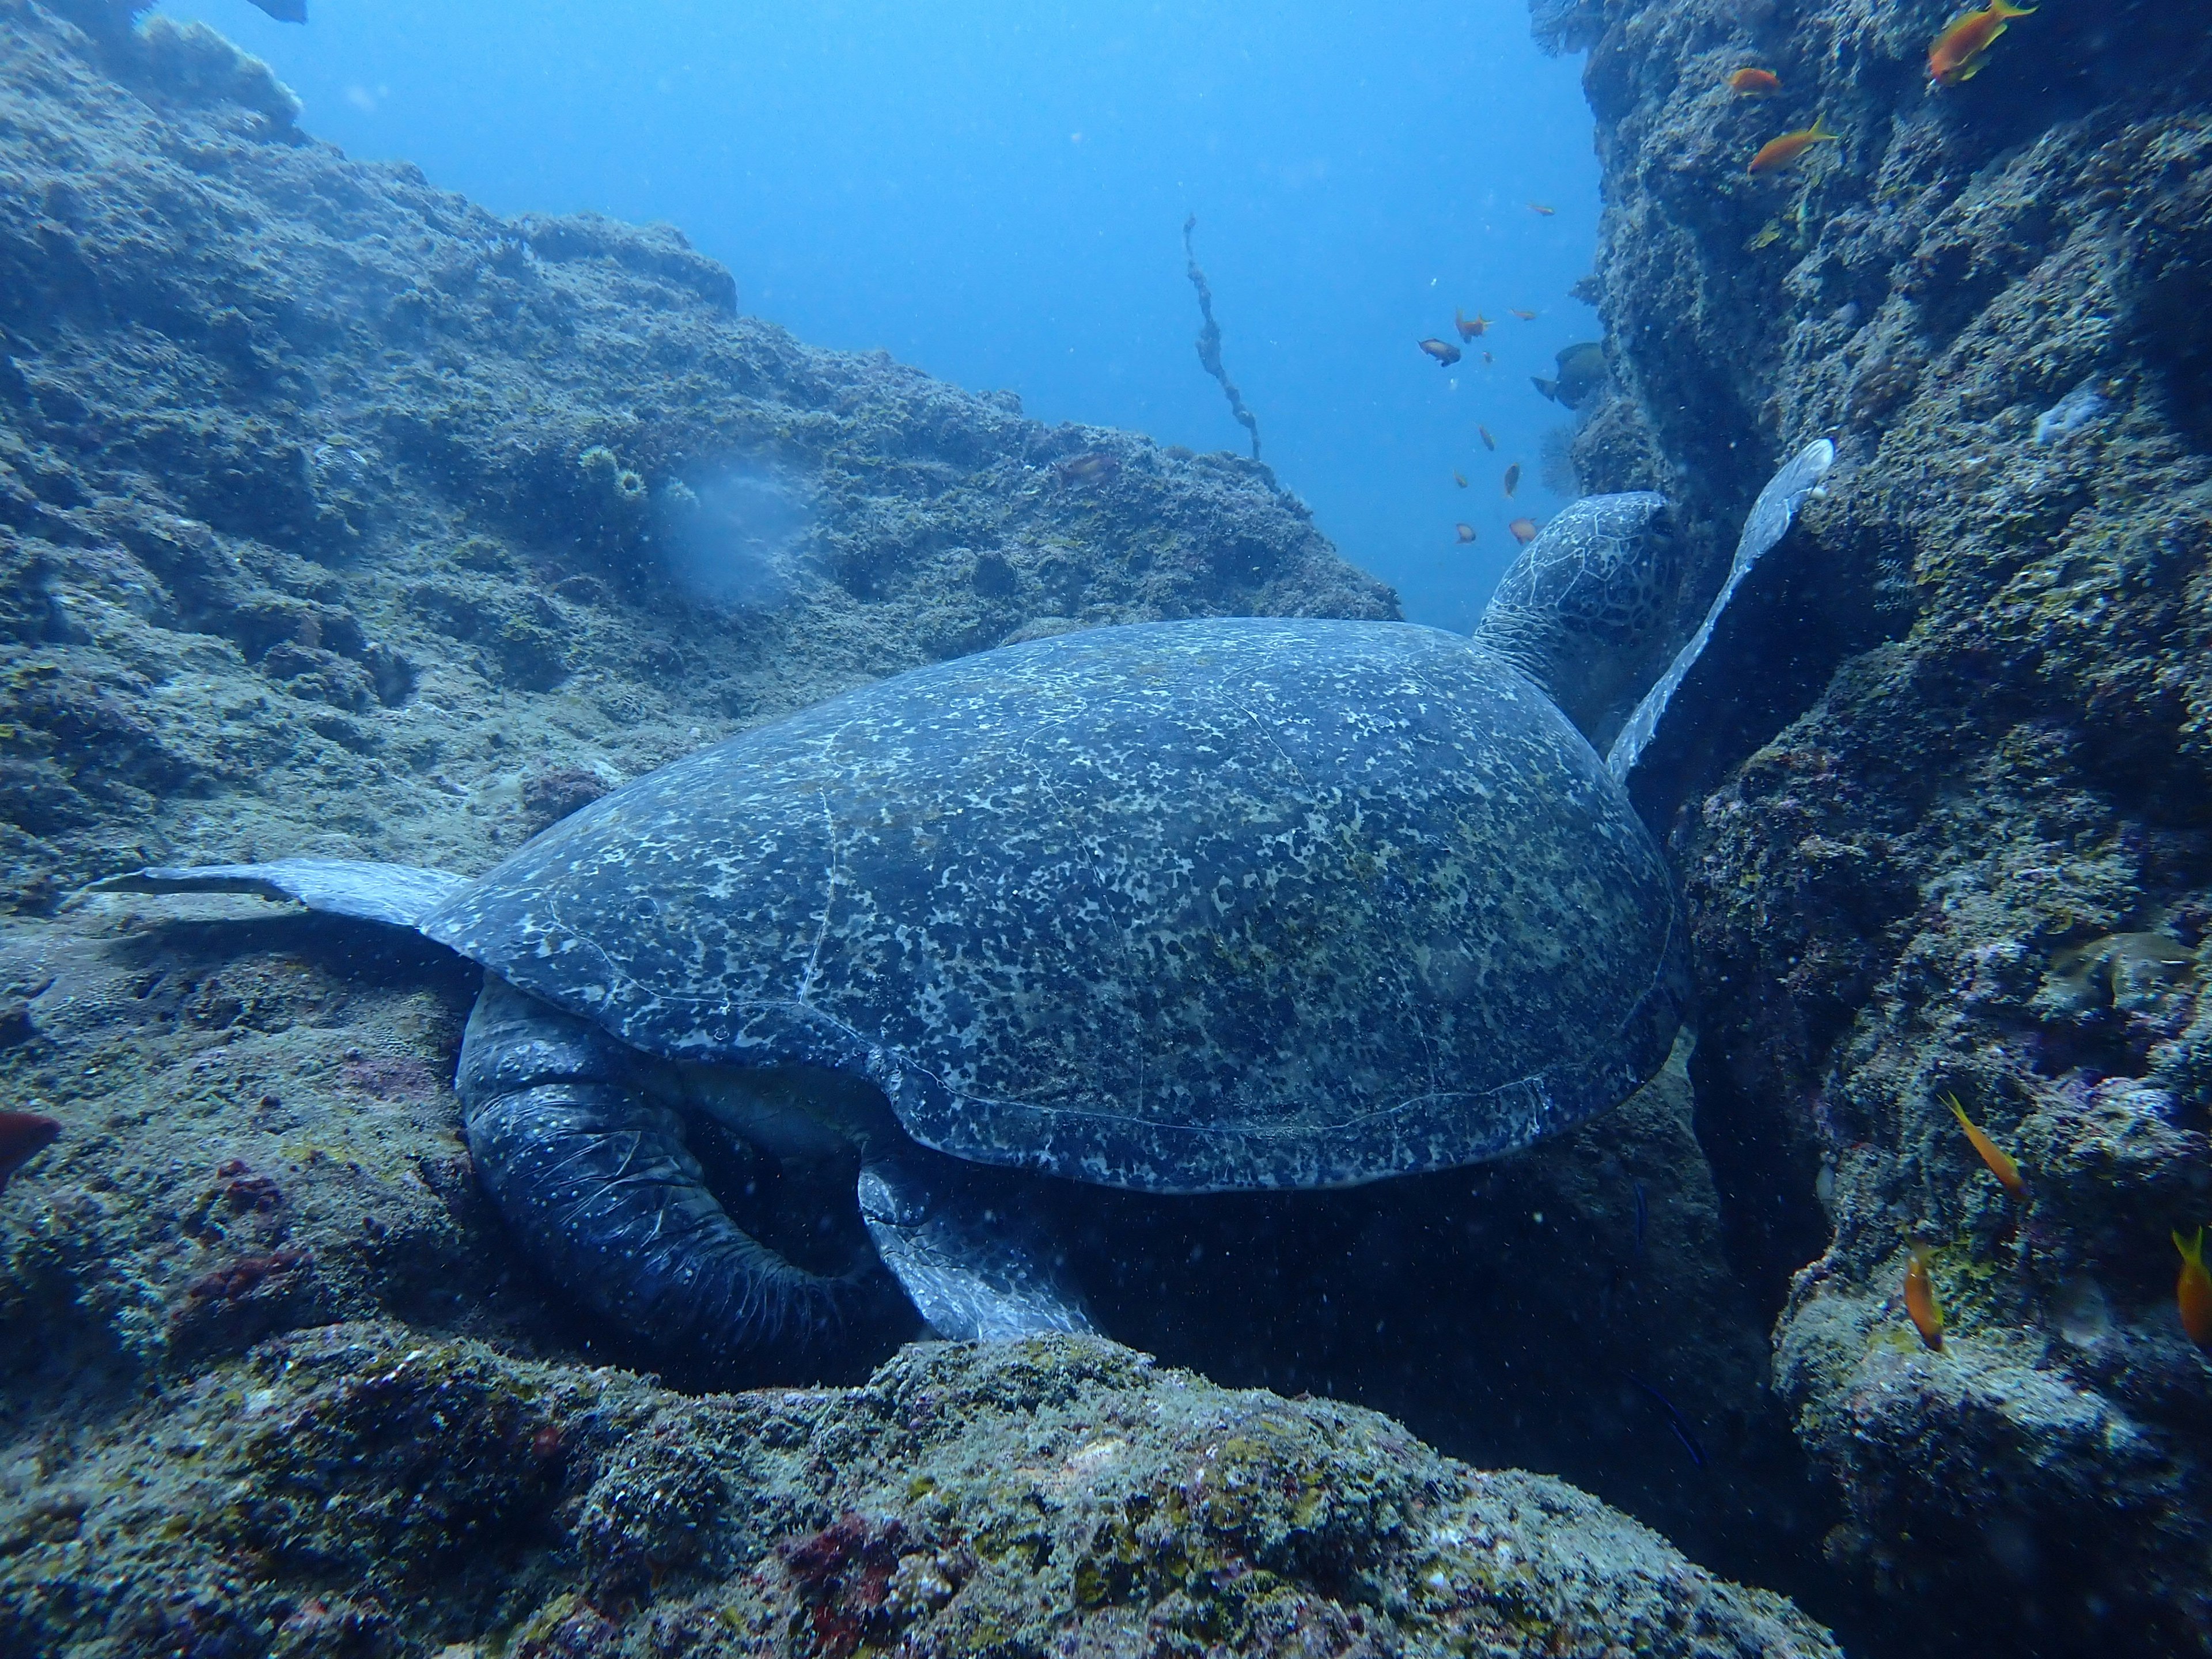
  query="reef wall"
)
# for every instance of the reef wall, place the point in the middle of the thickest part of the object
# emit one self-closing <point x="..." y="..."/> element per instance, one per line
<point x="1973" y="857"/>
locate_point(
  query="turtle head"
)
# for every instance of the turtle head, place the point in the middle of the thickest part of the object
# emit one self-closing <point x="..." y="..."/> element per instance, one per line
<point x="1585" y="610"/>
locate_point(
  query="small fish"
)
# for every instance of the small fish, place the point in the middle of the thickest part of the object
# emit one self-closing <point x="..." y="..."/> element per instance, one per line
<point x="1779" y="153"/>
<point x="1459" y="477"/>
<point x="1524" y="531"/>
<point x="1754" y="83"/>
<point x="1538" y="207"/>
<point x="1525" y="316"/>
<point x="1469" y="327"/>
<point x="1512" y="478"/>
<point x="1487" y="359"/>
<point x="2000" y="1161"/>
<point x="1674" y="1419"/>
<point x="1956" y="54"/>
<point x="1483" y="432"/>
<point x="1927" y="1318"/>
<point x="284" y="11"/>
<point x="1465" y="532"/>
<point x="23" y="1136"/>
<point x="2194" y="1292"/>
<point x="1088" y="469"/>
<point x="1443" y="350"/>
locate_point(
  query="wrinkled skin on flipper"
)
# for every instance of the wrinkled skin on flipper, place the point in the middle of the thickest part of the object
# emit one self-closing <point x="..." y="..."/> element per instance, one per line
<point x="592" y="1173"/>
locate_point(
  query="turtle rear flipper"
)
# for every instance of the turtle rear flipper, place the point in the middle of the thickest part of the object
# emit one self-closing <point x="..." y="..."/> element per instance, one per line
<point x="977" y="1273"/>
<point x="397" y="895"/>
<point x="592" y="1173"/>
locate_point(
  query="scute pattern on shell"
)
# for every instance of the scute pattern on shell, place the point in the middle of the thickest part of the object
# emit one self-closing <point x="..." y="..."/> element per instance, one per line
<point x="1193" y="905"/>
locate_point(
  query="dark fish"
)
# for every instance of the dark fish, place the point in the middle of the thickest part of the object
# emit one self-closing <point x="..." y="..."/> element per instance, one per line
<point x="1512" y="478"/>
<point x="23" y="1136"/>
<point x="1465" y="532"/>
<point x="284" y="11"/>
<point x="1483" y="432"/>
<point x="1088" y="469"/>
<point x="1675" y="1420"/>
<point x="1581" y="371"/>
<point x="1443" y="350"/>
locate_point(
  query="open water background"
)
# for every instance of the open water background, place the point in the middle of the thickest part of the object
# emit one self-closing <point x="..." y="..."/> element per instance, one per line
<point x="994" y="190"/>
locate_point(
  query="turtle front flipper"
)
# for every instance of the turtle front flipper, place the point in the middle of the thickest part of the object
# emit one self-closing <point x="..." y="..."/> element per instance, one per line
<point x="593" y="1174"/>
<point x="976" y="1270"/>
<point x="397" y="895"/>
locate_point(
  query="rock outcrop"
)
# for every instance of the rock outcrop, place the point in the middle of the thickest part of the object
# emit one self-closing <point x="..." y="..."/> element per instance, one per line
<point x="1974" y="857"/>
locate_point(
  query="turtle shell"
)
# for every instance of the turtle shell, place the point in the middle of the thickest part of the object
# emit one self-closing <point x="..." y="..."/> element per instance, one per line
<point x="1186" y="906"/>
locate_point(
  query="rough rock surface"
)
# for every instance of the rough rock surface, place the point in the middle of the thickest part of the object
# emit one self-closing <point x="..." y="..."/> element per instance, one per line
<point x="1975" y="858"/>
<point x="361" y="1490"/>
<point x="339" y="516"/>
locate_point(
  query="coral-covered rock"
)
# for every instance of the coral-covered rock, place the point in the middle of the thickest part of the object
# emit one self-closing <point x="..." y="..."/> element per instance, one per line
<point x="1059" y="1494"/>
<point x="1973" y="858"/>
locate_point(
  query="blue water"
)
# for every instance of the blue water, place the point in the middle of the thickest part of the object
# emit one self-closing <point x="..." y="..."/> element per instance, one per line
<point x="994" y="190"/>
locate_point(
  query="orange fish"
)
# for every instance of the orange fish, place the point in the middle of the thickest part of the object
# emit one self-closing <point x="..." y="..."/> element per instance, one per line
<point x="1927" y="1318"/>
<point x="1754" y="83"/>
<point x="1464" y="531"/>
<point x="1524" y="531"/>
<point x="2000" y="1161"/>
<point x="1468" y="326"/>
<point x="23" y="1136"/>
<point x="1777" y="153"/>
<point x="1483" y="432"/>
<point x="1956" y="54"/>
<point x="1459" y="477"/>
<point x="1525" y="316"/>
<point x="1443" y="350"/>
<point x="2194" y="1292"/>
<point x="1513" y="477"/>
<point x="1538" y="207"/>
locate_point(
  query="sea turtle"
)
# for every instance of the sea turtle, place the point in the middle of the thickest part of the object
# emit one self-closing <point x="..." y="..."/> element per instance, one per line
<point x="1186" y="906"/>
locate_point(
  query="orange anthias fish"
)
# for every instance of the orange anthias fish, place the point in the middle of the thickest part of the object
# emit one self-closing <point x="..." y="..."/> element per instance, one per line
<point x="1459" y="477"/>
<point x="1999" y="1160"/>
<point x="1956" y="54"/>
<point x="1483" y="432"/>
<point x="1524" y="531"/>
<point x="1538" y="207"/>
<point x="1464" y="531"/>
<point x="1777" y="153"/>
<point x="2194" y="1292"/>
<point x="1920" y="1299"/>
<point x="1525" y="316"/>
<point x="1513" y="477"/>
<point x="23" y="1136"/>
<point x="1469" y="326"/>
<point x="1754" y="83"/>
<point x="1443" y="350"/>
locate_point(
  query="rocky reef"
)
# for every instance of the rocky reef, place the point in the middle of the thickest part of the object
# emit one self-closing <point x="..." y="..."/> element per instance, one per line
<point x="362" y="1490"/>
<point x="1973" y="857"/>
<point x="339" y="516"/>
